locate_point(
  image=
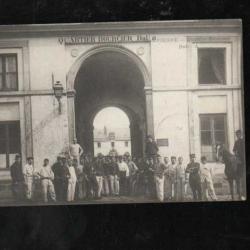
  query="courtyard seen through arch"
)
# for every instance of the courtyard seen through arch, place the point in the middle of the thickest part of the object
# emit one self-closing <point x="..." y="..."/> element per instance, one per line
<point x="111" y="132"/>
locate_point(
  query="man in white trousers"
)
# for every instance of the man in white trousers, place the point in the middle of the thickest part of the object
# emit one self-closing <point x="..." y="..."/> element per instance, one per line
<point x="159" y="171"/>
<point x="207" y="185"/>
<point x="71" y="181"/>
<point x="28" y="173"/>
<point x="47" y="176"/>
<point x="99" y="172"/>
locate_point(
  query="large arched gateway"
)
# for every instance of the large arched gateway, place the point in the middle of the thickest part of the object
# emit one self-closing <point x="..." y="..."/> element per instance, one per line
<point x="110" y="76"/>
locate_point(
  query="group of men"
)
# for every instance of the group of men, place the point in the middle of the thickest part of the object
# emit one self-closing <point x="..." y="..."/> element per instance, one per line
<point x="95" y="177"/>
<point x="76" y="176"/>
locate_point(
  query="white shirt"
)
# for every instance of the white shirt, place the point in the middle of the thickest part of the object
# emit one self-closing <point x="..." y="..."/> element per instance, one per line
<point x="72" y="174"/>
<point x="75" y="149"/>
<point x="46" y="172"/>
<point x="28" y="170"/>
<point x="180" y="171"/>
<point x="123" y="167"/>
<point x="206" y="172"/>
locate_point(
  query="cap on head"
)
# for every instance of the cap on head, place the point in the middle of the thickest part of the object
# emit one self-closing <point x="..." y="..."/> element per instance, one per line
<point x="173" y="157"/>
<point x="17" y="156"/>
<point x="192" y="155"/>
<point x="203" y="158"/>
<point x="100" y="156"/>
<point x="62" y="156"/>
<point x="30" y="158"/>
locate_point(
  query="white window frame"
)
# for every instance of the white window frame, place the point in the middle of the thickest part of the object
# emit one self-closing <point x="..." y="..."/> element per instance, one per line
<point x="228" y="61"/>
<point x="225" y="115"/>
<point x="19" y="54"/>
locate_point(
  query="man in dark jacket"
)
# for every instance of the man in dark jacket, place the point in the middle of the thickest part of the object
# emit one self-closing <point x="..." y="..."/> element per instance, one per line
<point x="239" y="151"/>
<point x="193" y="168"/>
<point x="151" y="148"/>
<point x="61" y="176"/>
<point x="238" y="148"/>
<point x="90" y="176"/>
<point x="17" y="178"/>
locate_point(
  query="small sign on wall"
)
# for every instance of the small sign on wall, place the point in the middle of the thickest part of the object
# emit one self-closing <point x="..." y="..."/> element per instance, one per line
<point x="162" y="142"/>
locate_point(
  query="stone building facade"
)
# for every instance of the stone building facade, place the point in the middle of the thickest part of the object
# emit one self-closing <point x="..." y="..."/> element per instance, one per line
<point x="109" y="140"/>
<point x="180" y="81"/>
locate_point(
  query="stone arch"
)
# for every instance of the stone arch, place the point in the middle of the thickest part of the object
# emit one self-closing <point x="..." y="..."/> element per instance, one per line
<point x="72" y="74"/>
<point x="70" y="82"/>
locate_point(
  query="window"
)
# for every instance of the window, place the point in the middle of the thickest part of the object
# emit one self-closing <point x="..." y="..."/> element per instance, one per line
<point x="212" y="131"/>
<point x="9" y="142"/>
<point x="8" y="72"/>
<point x="126" y="144"/>
<point x="211" y="65"/>
<point x="112" y="144"/>
<point x="99" y="145"/>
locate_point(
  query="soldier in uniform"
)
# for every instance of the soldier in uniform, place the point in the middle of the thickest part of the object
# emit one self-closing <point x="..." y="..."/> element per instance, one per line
<point x="167" y="180"/>
<point x="123" y="175"/>
<point x="179" y="178"/>
<point x="105" y="185"/>
<point x="239" y="151"/>
<point x="149" y="178"/>
<point x="81" y="179"/>
<point x="71" y="181"/>
<point x="99" y="173"/>
<point x="159" y="171"/>
<point x="170" y="177"/>
<point x="151" y="148"/>
<point x="17" y="178"/>
<point x="133" y="169"/>
<point x="90" y="176"/>
<point x="207" y="180"/>
<point x="28" y="173"/>
<point x="47" y="177"/>
<point x="61" y="176"/>
<point x="193" y="169"/>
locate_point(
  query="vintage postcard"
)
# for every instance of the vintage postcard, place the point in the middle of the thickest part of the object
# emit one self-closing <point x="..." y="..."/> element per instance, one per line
<point x="126" y="112"/>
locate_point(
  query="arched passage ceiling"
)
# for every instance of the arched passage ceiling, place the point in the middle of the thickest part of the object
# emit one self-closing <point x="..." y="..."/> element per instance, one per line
<point x="109" y="76"/>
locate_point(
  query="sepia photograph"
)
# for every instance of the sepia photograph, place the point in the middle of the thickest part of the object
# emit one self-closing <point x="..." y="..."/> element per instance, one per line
<point x="122" y="112"/>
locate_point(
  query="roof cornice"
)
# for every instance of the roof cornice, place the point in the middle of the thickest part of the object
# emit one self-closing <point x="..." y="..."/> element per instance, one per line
<point x="34" y="30"/>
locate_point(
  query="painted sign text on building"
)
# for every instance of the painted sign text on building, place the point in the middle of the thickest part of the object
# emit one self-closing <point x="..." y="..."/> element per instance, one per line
<point x="105" y="39"/>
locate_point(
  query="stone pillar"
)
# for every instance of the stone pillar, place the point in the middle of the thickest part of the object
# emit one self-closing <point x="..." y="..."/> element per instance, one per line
<point x="71" y="114"/>
<point x="149" y="111"/>
<point x="28" y="126"/>
<point x="191" y="123"/>
<point x="89" y="138"/>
